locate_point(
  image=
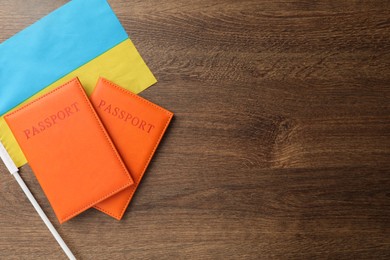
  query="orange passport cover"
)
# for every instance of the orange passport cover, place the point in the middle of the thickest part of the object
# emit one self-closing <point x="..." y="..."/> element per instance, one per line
<point x="136" y="127"/>
<point x="69" y="150"/>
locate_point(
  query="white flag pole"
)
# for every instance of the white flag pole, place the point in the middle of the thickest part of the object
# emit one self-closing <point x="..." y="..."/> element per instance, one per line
<point x="9" y="163"/>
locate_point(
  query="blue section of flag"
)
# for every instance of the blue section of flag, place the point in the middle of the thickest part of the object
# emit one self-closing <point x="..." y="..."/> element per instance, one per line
<point x="54" y="46"/>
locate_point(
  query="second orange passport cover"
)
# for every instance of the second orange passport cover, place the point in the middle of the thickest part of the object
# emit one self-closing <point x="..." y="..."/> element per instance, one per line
<point x="69" y="150"/>
<point x="136" y="127"/>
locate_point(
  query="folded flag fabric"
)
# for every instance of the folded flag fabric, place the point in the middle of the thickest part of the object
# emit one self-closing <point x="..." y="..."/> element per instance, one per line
<point x="81" y="38"/>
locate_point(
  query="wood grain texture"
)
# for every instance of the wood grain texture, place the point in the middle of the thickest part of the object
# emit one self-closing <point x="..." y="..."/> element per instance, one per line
<point x="280" y="146"/>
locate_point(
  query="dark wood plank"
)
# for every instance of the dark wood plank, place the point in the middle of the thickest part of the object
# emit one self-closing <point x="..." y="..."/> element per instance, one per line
<point x="279" y="148"/>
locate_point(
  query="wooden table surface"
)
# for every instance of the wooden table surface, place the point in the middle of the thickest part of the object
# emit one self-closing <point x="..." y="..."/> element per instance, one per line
<point x="280" y="146"/>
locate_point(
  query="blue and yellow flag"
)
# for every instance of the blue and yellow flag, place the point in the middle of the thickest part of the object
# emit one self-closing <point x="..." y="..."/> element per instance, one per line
<point x="83" y="39"/>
